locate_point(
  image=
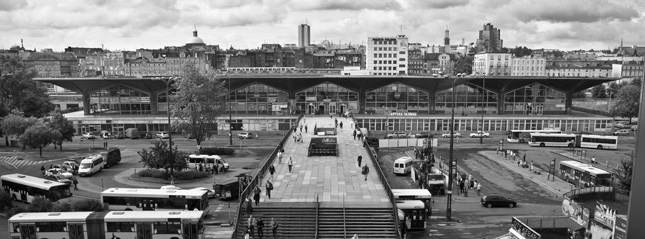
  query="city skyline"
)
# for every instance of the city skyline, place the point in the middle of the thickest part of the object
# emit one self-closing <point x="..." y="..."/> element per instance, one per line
<point x="129" y="25"/>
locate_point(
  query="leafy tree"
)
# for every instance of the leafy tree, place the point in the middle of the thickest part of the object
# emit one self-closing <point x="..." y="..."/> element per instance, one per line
<point x="158" y="156"/>
<point x="521" y="51"/>
<point x="88" y="205"/>
<point x="624" y="174"/>
<point x="598" y="91"/>
<point x="5" y="200"/>
<point x="62" y="207"/>
<point x="636" y="82"/>
<point x="627" y="102"/>
<point x="579" y="94"/>
<point x="15" y="125"/>
<point x="613" y="87"/>
<point x="39" y="136"/>
<point x="40" y="204"/>
<point x="200" y="99"/>
<point x="19" y="91"/>
<point x="66" y="129"/>
<point x="464" y="65"/>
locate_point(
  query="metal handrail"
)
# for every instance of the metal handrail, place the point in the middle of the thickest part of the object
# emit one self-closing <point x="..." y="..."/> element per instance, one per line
<point x="254" y="182"/>
<point x="317" y="215"/>
<point x="344" y="219"/>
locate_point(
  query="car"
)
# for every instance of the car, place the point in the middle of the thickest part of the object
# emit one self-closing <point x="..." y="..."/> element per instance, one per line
<point x="422" y="135"/>
<point x="211" y="193"/>
<point x="497" y="201"/>
<point x="479" y="134"/>
<point x="455" y="135"/>
<point x="163" y="135"/>
<point x="58" y="178"/>
<point x="70" y="164"/>
<point x="622" y="132"/>
<point x="88" y="135"/>
<point x="105" y="134"/>
<point x="245" y="135"/>
<point x="51" y="172"/>
<point x="189" y="136"/>
<point x="397" y="135"/>
<point x="621" y="125"/>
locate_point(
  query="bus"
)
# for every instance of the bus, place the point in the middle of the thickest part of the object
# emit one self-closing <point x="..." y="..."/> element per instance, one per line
<point x="598" y="141"/>
<point x="91" y="165"/>
<point x="211" y="160"/>
<point x="403" y="165"/>
<point x="26" y="188"/>
<point x="108" y="225"/>
<point x="422" y="195"/>
<point x="145" y="199"/>
<point x="414" y="214"/>
<point x="583" y="174"/>
<point x="558" y="140"/>
<point x="523" y="136"/>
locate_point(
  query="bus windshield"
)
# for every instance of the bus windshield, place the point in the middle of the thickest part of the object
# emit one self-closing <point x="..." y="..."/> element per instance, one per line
<point x="86" y="165"/>
<point x="435" y="177"/>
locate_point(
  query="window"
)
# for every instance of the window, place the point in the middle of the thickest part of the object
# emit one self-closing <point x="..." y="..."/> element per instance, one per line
<point x="499" y="57"/>
<point x="375" y="55"/>
<point x="401" y="65"/>
<point x="167" y="227"/>
<point x="374" y="62"/>
<point x="394" y="55"/>
<point x="401" y="59"/>
<point x="120" y="226"/>
<point x="375" y="48"/>
<point x="402" y="52"/>
<point x="492" y="57"/>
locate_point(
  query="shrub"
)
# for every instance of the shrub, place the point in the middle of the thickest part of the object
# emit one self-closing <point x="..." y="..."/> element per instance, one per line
<point x="5" y="201"/>
<point x="15" y="210"/>
<point x="88" y="205"/>
<point x="40" y="204"/>
<point x="179" y="175"/>
<point x="153" y="173"/>
<point x="62" y="207"/>
<point x="217" y="151"/>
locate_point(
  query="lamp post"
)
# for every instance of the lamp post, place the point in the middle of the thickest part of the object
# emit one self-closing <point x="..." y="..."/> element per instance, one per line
<point x="609" y="101"/>
<point x="481" y="138"/>
<point x="450" y="156"/>
<point x="387" y="121"/>
<point x="169" y="81"/>
<point x="230" y="114"/>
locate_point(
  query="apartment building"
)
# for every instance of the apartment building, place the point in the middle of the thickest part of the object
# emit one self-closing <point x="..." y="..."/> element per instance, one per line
<point x="387" y="55"/>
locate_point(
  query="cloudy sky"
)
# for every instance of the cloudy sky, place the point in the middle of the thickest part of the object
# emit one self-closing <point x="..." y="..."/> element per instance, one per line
<point x="132" y="24"/>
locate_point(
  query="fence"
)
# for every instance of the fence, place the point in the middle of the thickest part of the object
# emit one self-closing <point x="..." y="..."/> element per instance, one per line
<point x="256" y="179"/>
<point x="606" y="193"/>
<point x="403" y="142"/>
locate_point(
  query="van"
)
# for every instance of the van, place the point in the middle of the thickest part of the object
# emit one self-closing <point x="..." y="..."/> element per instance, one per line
<point x="91" y="165"/>
<point x="112" y="157"/>
<point x="132" y="133"/>
<point x="210" y="160"/>
<point x="403" y="165"/>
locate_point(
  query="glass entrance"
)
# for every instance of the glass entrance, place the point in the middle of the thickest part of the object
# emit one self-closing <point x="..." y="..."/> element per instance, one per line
<point x="191" y="231"/>
<point x="75" y="231"/>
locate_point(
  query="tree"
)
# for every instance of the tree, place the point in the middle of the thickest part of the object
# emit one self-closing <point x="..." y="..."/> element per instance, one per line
<point x="200" y="99"/>
<point x="39" y="136"/>
<point x="624" y="174"/>
<point x="598" y="91"/>
<point x="15" y="125"/>
<point x="40" y="204"/>
<point x="627" y="101"/>
<point x="521" y="51"/>
<point x="579" y="94"/>
<point x="464" y="65"/>
<point x="66" y="129"/>
<point x="88" y="205"/>
<point x="19" y="91"/>
<point x="158" y="156"/>
<point x="5" y="200"/>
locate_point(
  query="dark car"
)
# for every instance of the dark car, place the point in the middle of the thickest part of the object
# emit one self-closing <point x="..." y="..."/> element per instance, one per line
<point x="497" y="201"/>
<point x="422" y="135"/>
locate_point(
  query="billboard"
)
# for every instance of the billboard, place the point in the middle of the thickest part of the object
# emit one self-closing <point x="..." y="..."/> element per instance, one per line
<point x="620" y="230"/>
<point x="522" y="231"/>
<point x="604" y="215"/>
<point x="576" y="212"/>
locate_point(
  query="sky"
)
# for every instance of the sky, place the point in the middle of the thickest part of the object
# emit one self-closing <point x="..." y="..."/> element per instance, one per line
<point x="246" y="24"/>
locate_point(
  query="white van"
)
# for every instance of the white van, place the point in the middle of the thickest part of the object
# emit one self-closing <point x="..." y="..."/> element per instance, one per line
<point x="195" y="159"/>
<point x="91" y="165"/>
<point x="403" y="165"/>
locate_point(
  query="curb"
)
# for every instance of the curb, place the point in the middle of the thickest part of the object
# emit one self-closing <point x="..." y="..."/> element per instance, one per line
<point x="154" y="180"/>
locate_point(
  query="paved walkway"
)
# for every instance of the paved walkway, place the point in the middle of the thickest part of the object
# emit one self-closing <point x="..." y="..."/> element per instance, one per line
<point x="332" y="178"/>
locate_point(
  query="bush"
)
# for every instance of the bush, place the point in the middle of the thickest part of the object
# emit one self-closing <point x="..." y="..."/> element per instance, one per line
<point x="5" y="201"/>
<point x="40" y="204"/>
<point x="217" y="151"/>
<point x="179" y="175"/>
<point x="15" y="210"/>
<point x="62" y="207"/>
<point x="153" y="173"/>
<point x="88" y="205"/>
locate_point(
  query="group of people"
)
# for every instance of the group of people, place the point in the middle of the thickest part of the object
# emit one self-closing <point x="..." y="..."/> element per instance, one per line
<point x="357" y="134"/>
<point x="365" y="170"/>
<point x="259" y="225"/>
<point x="469" y="183"/>
<point x="338" y="123"/>
<point x="209" y="168"/>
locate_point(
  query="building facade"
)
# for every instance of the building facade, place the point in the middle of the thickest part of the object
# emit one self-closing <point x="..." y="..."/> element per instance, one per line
<point x="489" y="39"/>
<point x="528" y="66"/>
<point x="304" y="39"/>
<point x="493" y="64"/>
<point x="387" y="55"/>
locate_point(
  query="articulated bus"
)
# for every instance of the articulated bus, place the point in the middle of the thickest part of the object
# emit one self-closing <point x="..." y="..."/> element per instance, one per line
<point x="558" y="140"/>
<point x="137" y="199"/>
<point x="523" y="136"/>
<point x="598" y="141"/>
<point x="584" y="174"/>
<point x="108" y="225"/>
<point x="414" y="214"/>
<point x="25" y="188"/>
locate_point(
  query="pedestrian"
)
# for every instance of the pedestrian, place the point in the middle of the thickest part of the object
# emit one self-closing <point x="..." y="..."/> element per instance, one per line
<point x="466" y="189"/>
<point x="216" y="168"/>
<point x="341" y="125"/>
<point x="355" y="236"/>
<point x="42" y="168"/>
<point x="359" y="159"/>
<point x="290" y="163"/>
<point x="294" y="138"/>
<point x="331" y="115"/>
<point x="365" y="171"/>
<point x="354" y="134"/>
<point x="269" y="187"/>
<point x="300" y="128"/>
<point x="51" y="166"/>
<point x="280" y="156"/>
<point x="461" y="186"/>
<point x="247" y="234"/>
<point x="472" y="183"/>
<point x="271" y="170"/>
<point x="75" y="184"/>
<point x="256" y="195"/>
<point x="479" y="188"/>
<point x="274" y="227"/>
<point x="306" y="129"/>
<point x="251" y="224"/>
<point x="260" y="225"/>
<point x="336" y="121"/>
<point x="518" y="162"/>
<point x="249" y="206"/>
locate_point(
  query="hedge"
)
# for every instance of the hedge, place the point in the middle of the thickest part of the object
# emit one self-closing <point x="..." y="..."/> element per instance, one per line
<point x="217" y="151"/>
<point x="179" y="175"/>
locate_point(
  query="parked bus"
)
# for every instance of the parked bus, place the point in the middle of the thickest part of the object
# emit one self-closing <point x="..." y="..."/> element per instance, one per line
<point x="211" y="160"/>
<point x="559" y="140"/>
<point x="107" y="225"/>
<point x="403" y="165"/>
<point x="145" y="199"/>
<point x="598" y="141"/>
<point x="523" y="136"/>
<point x="25" y="188"/>
<point x="584" y="174"/>
<point x="422" y="195"/>
<point x="91" y="165"/>
<point x="415" y="214"/>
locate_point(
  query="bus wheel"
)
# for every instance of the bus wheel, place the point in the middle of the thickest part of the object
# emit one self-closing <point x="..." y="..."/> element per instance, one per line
<point x="541" y="144"/>
<point x="599" y="147"/>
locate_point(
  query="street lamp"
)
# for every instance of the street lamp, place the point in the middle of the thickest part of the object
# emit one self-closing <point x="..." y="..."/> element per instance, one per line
<point x="230" y="114"/>
<point x="481" y="138"/>
<point x="169" y="81"/>
<point x="450" y="158"/>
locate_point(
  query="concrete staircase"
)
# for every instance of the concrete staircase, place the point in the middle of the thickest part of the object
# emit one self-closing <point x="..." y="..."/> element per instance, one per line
<point x="366" y="221"/>
<point x="295" y="220"/>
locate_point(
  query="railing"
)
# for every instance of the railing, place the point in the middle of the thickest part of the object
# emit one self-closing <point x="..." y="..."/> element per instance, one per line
<point x="344" y="219"/>
<point x="256" y="180"/>
<point x="591" y="190"/>
<point x="317" y="215"/>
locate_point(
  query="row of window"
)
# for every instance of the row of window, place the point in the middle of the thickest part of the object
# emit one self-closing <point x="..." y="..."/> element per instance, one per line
<point x="385" y="68"/>
<point x="526" y="61"/>
<point x="384" y="55"/>
<point x="517" y="68"/>
<point x="499" y="57"/>
<point x="384" y="42"/>
<point x="426" y="124"/>
<point x="141" y="202"/>
<point x="385" y="62"/>
<point x="385" y="49"/>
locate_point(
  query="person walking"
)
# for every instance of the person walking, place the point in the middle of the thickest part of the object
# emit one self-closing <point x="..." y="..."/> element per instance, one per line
<point x="280" y="156"/>
<point x="461" y="186"/>
<point x="251" y="224"/>
<point x="256" y="195"/>
<point x="290" y="163"/>
<point x="359" y="159"/>
<point x="75" y="184"/>
<point x="341" y="125"/>
<point x="479" y="188"/>
<point x="300" y="128"/>
<point x="260" y="225"/>
<point x="306" y="129"/>
<point x="593" y="159"/>
<point x="466" y="188"/>
<point x="274" y="227"/>
<point x="365" y="171"/>
<point x="269" y="187"/>
<point x="42" y="168"/>
<point x="271" y="170"/>
<point x="247" y="234"/>
<point x="249" y="206"/>
<point x="354" y="134"/>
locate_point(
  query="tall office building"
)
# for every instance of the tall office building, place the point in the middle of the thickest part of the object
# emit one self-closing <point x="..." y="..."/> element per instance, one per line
<point x="303" y="35"/>
<point x="387" y="55"/>
<point x="489" y="39"/>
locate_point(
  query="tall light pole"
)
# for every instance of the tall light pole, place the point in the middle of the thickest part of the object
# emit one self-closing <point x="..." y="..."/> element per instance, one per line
<point x="169" y="81"/>
<point x="609" y="102"/>
<point x="450" y="156"/>
<point x="481" y="137"/>
<point x="230" y="114"/>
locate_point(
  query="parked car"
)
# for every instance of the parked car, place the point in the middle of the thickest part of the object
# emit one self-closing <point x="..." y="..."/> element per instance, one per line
<point x="51" y="172"/>
<point x="88" y="135"/>
<point x="148" y="135"/>
<point x="497" y="201"/>
<point x="422" y="135"/>
<point x="211" y="193"/>
<point x="621" y="124"/>
<point x="479" y="134"/>
<point x="58" y="178"/>
<point x="245" y="135"/>
<point x="105" y="134"/>
<point x="163" y="135"/>
<point x="622" y="132"/>
<point x="397" y="135"/>
<point x="455" y="135"/>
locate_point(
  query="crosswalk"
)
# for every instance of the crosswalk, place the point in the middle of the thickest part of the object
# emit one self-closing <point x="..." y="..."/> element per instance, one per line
<point x="20" y="162"/>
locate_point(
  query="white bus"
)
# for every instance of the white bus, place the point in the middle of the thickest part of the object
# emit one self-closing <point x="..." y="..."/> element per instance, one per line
<point x="25" y="188"/>
<point x="91" y="165"/>
<point x="403" y="165"/>
<point x="584" y="174"/>
<point x="415" y="214"/>
<point x="108" y="225"/>
<point x="558" y="140"/>
<point x="145" y="199"/>
<point x="598" y="141"/>
<point x="523" y="136"/>
<point x="422" y="195"/>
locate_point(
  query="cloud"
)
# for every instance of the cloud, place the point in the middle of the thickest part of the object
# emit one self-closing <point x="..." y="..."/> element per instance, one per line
<point x="10" y="5"/>
<point x="570" y="11"/>
<point x="244" y="15"/>
<point x="436" y="4"/>
<point x="312" y="5"/>
<point x="218" y="4"/>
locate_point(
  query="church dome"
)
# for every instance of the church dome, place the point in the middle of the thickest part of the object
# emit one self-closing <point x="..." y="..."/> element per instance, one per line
<point x="195" y="40"/>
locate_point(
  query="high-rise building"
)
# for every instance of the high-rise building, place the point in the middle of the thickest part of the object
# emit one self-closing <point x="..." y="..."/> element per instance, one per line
<point x="387" y="55"/>
<point x="303" y="35"/>
<point x="489" y="39"/>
